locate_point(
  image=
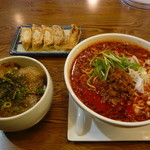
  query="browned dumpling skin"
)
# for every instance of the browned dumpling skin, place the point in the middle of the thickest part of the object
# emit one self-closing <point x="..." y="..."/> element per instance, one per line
<point x="26" y="37"/>
<point x="73" y="36"/>
<point x="37" y="36"/>
<point x="71" y="40"/>
<point x="48" y="36"/>
<point x="58" y="34"/>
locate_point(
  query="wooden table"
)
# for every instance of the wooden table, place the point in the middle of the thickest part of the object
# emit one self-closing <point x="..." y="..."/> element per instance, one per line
<point x="95" y="17"/>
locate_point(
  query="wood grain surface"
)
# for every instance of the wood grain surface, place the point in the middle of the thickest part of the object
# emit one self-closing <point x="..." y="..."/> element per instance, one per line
<point x="95" y="17"/>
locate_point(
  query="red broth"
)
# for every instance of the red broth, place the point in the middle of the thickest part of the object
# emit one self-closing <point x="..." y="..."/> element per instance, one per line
<point x="93" y="97"/>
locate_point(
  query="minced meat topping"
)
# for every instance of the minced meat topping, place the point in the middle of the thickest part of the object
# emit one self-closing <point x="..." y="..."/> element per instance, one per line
<point x="120" y="87"/>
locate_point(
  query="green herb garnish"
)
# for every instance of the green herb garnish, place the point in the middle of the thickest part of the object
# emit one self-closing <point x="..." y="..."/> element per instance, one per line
<point x="108" y="60"/>
<point x="40" y="90"/>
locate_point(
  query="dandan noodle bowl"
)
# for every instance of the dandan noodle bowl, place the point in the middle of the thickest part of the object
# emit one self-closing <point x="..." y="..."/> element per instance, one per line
<point x="79" y="50"/>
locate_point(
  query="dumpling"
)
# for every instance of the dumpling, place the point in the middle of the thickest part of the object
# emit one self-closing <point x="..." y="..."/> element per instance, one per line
<point x="48" y="36"/>
<point x="26" y="37"/>
<point x="37" y="37"/>
<point x="74" y="36"/>
<point x="58" y="34"/>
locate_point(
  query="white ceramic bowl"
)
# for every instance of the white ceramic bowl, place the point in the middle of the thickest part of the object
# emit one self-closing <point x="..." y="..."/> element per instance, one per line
<point x="81" y="46"/>
<point x="32" y="116"/>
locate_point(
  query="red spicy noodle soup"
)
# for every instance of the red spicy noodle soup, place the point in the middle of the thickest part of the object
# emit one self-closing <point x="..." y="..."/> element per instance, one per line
<point x="113" y="79"/>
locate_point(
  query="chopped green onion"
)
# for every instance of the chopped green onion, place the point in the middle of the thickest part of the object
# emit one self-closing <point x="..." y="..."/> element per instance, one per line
<point x="106" y="61"/>
<point x="41" y="90"/>
<point x="7" y="104"/>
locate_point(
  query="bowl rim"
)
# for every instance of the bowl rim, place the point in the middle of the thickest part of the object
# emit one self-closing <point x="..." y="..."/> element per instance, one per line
<point x="49" y="84"/>
<point x="68" y="63"/>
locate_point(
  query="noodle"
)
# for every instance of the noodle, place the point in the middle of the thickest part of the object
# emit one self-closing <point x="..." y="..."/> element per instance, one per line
<point x="116" y="80"/>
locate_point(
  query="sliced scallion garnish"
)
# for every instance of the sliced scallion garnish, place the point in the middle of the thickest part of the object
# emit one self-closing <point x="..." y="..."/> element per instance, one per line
<point x="108" y="60"/>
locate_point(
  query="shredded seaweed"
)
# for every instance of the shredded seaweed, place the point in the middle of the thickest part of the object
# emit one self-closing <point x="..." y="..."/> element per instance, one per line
<point x="12" y="89"/>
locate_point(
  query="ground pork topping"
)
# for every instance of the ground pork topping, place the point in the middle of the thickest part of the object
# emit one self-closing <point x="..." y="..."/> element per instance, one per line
<point x="120" y="87"/>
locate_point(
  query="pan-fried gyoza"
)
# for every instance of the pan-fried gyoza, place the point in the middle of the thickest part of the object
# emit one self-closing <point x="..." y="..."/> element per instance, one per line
<point x="46" y="38"/>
